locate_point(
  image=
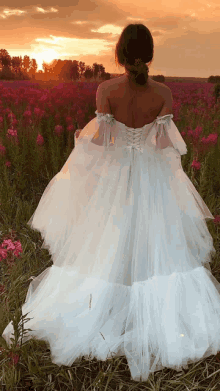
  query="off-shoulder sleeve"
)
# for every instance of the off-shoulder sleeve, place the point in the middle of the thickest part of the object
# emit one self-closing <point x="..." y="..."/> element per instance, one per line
<point x="168" y="135"/>
<point x="106" y="122"/>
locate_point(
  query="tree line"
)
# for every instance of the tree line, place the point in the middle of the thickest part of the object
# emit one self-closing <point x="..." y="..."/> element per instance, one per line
<point x="18" y="68"/>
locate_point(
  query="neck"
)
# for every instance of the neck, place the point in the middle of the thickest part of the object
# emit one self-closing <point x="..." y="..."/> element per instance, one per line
<point x="132" y="84"/>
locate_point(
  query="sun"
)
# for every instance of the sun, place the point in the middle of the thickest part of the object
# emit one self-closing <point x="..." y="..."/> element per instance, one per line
<point x="46" y="55"/>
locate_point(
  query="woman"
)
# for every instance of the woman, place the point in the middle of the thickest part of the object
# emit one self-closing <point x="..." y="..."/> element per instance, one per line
<point x="127" y="233"/>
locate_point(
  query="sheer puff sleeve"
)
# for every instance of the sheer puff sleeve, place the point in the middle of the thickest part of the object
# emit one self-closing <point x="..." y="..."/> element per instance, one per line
<point x="104" y="134"/>
<point x="168" y="135"/>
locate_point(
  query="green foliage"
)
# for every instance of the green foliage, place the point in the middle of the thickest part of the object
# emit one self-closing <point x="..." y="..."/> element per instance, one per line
<point x="6" y="74"/>
<point x="217" y="92"/>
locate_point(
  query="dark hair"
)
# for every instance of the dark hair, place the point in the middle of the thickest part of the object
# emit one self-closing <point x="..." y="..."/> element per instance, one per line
<point x="135" y="42"/>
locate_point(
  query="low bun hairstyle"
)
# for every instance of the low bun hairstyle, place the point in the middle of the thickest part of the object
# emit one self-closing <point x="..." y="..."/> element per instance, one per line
<point x="134" y="49"/>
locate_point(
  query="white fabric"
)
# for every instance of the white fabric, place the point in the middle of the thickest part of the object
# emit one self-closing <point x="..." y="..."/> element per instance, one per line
<point x="128" y="250"/>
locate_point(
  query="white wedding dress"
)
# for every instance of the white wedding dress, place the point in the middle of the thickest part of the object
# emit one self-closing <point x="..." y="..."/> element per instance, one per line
<point x="129" y="242"/>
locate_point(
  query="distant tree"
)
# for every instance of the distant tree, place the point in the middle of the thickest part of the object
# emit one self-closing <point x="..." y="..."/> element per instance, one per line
<point x="159" y="78"/>
<point x="16" y="63"/>
<point x="6" y="74"/>
<point x="106" y="76"/>
<point x="213" y="79"/>
<point x="60" y="70"/>
<point x="65" y="73"/>
<point x="74" y="72"/>
<point x="88" y="74"/>
<point x="95" y="68"/>
<point x="5" y="58"/>
<point x="52" y="70"/>
<point x="101" y="70"/>
<point x="33" y="68"/>
<point x="82" y="68"/>
<point x="46" y="68"/>
<point x="26" y="64"/>
<point x="217" y="92"/>
<point x="14" y="68"/>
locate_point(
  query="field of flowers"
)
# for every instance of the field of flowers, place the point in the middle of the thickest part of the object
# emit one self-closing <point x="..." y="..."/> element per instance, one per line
<point x="38" y="127"/>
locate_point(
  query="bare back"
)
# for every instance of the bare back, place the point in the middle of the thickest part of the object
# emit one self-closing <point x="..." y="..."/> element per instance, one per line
<point x="135" y="106"/>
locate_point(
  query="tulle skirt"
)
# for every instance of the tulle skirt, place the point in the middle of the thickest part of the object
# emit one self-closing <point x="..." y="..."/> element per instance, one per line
<point x="128" y="276"/>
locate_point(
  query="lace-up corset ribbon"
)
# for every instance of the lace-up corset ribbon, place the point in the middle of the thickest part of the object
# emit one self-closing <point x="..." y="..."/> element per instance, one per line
<point x="133" y="138"/>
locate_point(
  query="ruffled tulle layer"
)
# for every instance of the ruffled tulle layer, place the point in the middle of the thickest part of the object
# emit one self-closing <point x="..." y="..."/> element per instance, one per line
<point x="165" y="321"/>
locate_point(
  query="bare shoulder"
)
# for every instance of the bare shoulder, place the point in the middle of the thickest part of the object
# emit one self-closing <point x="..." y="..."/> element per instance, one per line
<point x="167" y="89"/>
<point x="162" y="88"/>
<point x="167" y="96"/>
<point x="105" y="83"/>
<point x="166" y="93"/>
<point x="115" y="87"/>
<point x="111" y="86"/>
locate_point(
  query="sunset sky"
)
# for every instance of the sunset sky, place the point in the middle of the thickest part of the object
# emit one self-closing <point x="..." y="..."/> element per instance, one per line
<point x="186" y="33"/>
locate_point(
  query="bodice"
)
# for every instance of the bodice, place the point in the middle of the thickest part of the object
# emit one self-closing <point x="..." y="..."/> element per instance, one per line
<point x="105" y="131"/>
<point x="166" y="133"/>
